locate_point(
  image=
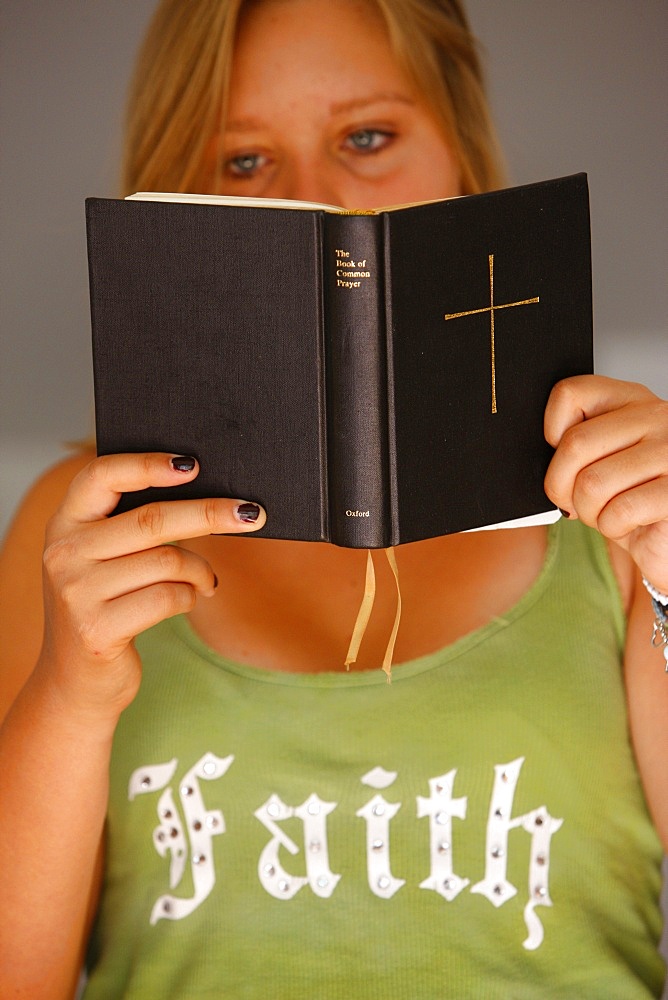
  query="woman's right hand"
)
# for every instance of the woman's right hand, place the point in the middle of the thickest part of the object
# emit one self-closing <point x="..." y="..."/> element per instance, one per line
<point x="106" y="579"/>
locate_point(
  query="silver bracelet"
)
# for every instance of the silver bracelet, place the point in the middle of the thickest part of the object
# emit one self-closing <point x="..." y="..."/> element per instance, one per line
<point x="660" y="630"/>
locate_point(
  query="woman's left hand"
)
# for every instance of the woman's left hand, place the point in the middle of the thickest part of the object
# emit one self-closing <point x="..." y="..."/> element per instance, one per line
<point x="610" y="467"/>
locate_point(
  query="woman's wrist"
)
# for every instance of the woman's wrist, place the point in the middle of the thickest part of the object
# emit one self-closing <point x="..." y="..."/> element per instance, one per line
<point x="658" y="597"/>
<point x="660" y="629"/>
<point x="87" y="713"/>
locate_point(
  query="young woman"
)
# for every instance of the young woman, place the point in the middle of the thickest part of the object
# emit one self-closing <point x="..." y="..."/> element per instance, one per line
<point x="252" y="820"/>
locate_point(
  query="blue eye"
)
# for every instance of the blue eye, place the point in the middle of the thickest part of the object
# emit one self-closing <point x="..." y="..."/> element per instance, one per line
<point x="244" y="165"/>
<point x="367" y="140"/>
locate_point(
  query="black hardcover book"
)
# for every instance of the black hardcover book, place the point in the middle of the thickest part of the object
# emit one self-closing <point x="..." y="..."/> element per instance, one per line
<point x="370" y="379"/>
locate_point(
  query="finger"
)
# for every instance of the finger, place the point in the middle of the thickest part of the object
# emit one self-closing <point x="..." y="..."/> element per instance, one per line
<point x="166" y="521"/>
<point x="96" y="490"/>
<point x="639" y="508"/>
<point x="105" y="581"/>
<point x="585" y="444"/>
<point x="615" y="476"/>
<point x="118" y="622"/>
<point x="582" y="397"/>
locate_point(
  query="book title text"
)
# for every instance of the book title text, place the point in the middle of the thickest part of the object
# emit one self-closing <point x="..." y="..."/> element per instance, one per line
<point x="349" y="272"/>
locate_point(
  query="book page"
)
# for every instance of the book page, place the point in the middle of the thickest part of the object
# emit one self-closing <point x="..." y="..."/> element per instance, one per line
<point x="233" y="201"/>
<point x="548" y="517"/>
<point x="240" y="201"/>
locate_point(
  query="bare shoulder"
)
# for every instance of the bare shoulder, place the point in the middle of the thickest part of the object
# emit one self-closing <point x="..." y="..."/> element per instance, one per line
<point x="21" y="616"/>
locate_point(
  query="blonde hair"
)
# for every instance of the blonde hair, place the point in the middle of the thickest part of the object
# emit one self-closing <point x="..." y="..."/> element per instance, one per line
<point x="177" y="101"/>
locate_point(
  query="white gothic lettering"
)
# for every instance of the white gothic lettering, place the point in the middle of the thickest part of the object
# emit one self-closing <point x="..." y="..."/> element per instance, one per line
<point x="186" y="829"/>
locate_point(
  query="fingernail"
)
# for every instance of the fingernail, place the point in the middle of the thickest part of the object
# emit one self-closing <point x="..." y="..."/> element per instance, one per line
<point x="183" y="463"/>
<point x="247" y="512"/>
<point x="215" y="581"/>
<point x="564" y="513"/>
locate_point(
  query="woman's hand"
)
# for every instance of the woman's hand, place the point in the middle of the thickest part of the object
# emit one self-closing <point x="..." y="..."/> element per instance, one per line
<point x="610" y="468"/>
<point x="108" y="579"/>
<point x="105" y="579"/>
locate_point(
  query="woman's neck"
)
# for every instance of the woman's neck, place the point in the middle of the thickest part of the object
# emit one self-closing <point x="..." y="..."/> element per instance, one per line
<point x="292" y="605"/>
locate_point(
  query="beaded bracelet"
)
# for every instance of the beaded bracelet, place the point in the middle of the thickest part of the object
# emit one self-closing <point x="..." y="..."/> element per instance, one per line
<point x="660" y="630"/>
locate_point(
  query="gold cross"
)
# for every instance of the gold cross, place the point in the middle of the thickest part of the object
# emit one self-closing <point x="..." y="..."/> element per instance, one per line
<point x="491" y="308"/>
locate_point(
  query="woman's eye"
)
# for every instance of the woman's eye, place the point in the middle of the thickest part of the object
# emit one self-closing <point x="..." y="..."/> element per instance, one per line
<point x="244" y="165"/>
<point x="367" y="140"/>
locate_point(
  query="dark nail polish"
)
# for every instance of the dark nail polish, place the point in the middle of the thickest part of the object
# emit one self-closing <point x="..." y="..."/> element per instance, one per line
<point x="183" y="463"/>
<point x="564" y="513"/>
<point x="248" y="512"/>
<point x="215" y="581"/>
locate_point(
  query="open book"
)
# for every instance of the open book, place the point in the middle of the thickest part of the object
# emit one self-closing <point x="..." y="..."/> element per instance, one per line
<point x="369" y="378"/>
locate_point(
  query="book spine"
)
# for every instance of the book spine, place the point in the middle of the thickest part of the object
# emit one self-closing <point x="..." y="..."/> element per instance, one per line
<point x="356" y="381"/>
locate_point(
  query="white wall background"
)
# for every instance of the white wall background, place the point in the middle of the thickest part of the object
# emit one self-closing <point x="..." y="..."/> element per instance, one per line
<point x="576" y="85"/>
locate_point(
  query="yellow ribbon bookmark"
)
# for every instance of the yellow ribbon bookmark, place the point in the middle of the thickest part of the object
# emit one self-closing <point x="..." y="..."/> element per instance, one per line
<point x="364" y="612"/>
<point x="389" y="652"/>
<point x="366" y="607"/>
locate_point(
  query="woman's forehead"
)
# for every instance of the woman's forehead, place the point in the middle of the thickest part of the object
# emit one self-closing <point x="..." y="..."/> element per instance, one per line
<point x="335" y="51"/>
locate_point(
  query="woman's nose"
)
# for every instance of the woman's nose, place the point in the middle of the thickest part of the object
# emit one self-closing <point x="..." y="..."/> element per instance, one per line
<point x="312" y="181"/>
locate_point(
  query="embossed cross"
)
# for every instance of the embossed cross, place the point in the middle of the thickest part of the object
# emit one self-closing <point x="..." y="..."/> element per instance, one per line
<point x="491" y="309"/>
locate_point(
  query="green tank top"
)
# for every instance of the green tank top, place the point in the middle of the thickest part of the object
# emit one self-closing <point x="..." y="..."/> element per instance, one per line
<point x="476" y="829"/>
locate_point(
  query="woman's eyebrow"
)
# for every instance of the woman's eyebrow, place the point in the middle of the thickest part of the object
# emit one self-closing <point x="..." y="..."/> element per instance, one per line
<point x="359" y="103"/>
<point x="243" y="125"/>
<point x="338" y="107"/>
